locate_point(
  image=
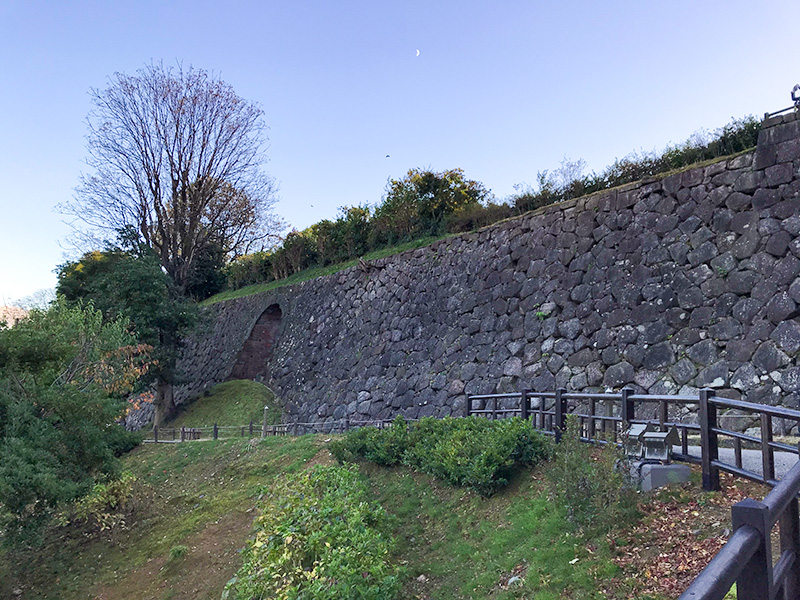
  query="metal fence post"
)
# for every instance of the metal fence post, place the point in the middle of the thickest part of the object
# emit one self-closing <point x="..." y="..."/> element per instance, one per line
<point x="524" y="404"/>
<point x="216" y="431"/>
<point x="155" y="433"/>
<point x="709" y="448"/>
<point x="251" y="429"/>
<point x="561" y="414"/>
<point x="468" y="405"/>
<point x="264" y="423"/>
<point x="755" y="581"/>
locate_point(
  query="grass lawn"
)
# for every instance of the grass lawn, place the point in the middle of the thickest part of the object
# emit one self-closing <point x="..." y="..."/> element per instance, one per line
<point x="194" y="506"/>
<point x="230" y="403"/>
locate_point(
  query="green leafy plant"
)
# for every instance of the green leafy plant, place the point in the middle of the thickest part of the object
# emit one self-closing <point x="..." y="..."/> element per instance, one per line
<point x="474" y="452"/>
<point x="319" y="537"/>
<point x="102" y="506"/>
<point x="177" y="552"/>
<point x="592" y="484"/>
<point x="382" y="446"/>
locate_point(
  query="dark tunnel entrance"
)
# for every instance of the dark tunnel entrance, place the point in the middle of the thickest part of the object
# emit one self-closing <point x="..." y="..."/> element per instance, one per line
<point x="257" y="350"/>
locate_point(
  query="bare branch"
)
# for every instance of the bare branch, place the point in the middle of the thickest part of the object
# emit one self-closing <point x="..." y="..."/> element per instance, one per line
<point x="177" y="156"/>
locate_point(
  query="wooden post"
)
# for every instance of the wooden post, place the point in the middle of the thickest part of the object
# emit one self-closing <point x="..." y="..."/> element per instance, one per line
<point x="737" y="452"/>
<point x="627" y="407"/>
<point x="608" y="424"/>
<point x="216" y="432"/>
<point x="542" y="423"/>
<point x="183" y="433"/>
<point x="524" y="404"/>
<point x="561" y="414"/>
<point x="709" y="448"/>
<point x="251" y="429"/>
<point x="755" y="581"/>
<point x="790" y="540"/>
<point x="663" y="415"/>
<point x="767" y="455"/>
<point x="155" y="433"/>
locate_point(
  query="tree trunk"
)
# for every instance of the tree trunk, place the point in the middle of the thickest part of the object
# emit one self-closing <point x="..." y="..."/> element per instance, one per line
<point x="163" y="403"/>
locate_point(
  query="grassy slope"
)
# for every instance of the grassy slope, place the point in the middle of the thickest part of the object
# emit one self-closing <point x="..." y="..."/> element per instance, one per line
<point x="315" y="272"/>
<point x="201" y="495"/>
<point x="231" y="403"/>
<point x="453" y="543"/>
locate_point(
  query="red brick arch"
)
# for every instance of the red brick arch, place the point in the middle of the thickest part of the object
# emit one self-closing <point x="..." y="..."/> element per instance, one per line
<point x="257" y="350"/>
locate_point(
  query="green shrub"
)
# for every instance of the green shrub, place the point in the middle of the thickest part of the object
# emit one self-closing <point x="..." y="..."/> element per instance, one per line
<point x="382" y="446"/>
<point x="177" y="552"/>
<point x="472" y="452"/>
<point x="102" y="507"/>
<point x="319" y="537"/>
<point x="593" y="484"/>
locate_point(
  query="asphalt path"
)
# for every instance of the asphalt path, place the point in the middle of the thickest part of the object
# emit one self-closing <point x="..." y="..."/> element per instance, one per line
<point x="751" y="459"/>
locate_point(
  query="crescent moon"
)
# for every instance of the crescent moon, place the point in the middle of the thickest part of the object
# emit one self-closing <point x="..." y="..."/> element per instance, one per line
<point x="417" y="51"/>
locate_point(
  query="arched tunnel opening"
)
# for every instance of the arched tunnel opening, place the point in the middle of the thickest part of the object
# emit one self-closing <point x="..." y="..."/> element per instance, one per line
<point x="257" y="350"/>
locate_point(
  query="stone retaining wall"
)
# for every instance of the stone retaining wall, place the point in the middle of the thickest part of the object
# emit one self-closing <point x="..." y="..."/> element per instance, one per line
<point x="665" y="286"/>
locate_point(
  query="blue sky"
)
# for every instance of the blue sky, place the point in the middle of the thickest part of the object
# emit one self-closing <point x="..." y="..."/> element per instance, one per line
<point x="500" y="89"/>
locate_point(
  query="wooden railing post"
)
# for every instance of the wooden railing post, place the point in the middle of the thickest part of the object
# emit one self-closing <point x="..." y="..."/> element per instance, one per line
<point x="790" y="540"/>
<point x="183" y="433"/>
<point x="561" y="414"/>
<point x="155" y="433"/>
<point x="755" y="580"/>
<point x="709" y="448"/>
<point x="251" y="429"/>
<point x="216" y="431"/>
<point x="767" y="453"/>
<point x="627" y="407"/>
<point x="524" y="404"/>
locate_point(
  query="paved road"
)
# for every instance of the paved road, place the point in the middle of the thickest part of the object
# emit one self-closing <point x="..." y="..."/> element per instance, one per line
<point x="751" y="459"/>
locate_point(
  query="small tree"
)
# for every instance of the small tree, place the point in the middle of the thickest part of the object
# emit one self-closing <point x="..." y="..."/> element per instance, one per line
<point x="129" y="283"/>
<point x="419" y="203"/>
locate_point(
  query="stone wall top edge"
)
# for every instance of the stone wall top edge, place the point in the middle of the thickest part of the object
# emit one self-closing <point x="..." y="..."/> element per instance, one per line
<point x="579" y="203"/>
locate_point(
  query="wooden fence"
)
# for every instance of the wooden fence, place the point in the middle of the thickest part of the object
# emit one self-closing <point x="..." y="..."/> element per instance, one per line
<point x="603" y="414"/>
<point x="220" y="432"/>
<point x="746" y="559"/>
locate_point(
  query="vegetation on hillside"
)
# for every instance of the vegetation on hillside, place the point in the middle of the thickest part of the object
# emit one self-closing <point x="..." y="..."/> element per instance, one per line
<point x="64" y="374"/>
<point x="426" y="203"/>
<point x="320" y="537"/>
<point x="192" y="508"/>
<point x="471" y="452"/>
<point x="127" y="282"/>
<point x="236" y="402"/>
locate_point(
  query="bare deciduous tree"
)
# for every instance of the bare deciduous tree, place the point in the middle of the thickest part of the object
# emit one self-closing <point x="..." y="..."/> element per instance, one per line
<point x="177" y="155"/>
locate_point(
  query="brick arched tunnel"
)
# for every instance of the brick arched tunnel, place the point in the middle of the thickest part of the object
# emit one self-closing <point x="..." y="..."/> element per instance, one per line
<point x="257" y="350"/>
